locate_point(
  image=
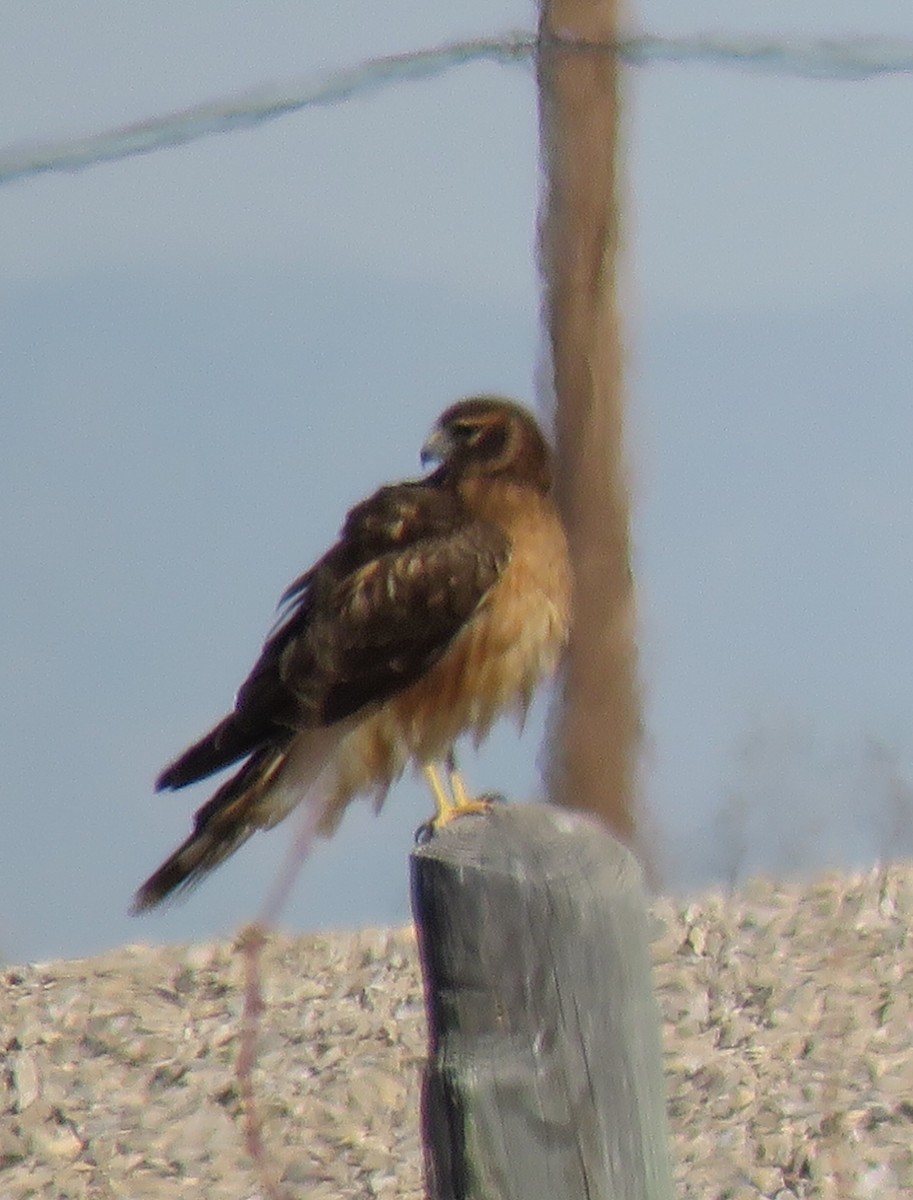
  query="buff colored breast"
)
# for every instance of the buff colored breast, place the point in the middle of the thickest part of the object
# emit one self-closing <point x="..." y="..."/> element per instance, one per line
<point x="494" y="665"/>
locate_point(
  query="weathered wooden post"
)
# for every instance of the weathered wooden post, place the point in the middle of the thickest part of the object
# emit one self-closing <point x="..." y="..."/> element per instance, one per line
<point x="544" y="1079"/>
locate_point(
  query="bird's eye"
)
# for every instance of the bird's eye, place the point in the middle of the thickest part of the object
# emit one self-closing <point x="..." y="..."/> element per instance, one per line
<point x="467" y="432"/>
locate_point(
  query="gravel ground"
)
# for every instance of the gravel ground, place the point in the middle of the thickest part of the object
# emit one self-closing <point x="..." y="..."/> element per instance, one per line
<point x="788" y="1020"/>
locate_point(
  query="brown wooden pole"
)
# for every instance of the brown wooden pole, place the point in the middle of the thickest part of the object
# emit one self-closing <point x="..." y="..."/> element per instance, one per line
<point x="598" y="726"/>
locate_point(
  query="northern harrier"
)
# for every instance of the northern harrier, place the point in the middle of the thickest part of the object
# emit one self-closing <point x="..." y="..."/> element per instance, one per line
<point x="443" y="603"/>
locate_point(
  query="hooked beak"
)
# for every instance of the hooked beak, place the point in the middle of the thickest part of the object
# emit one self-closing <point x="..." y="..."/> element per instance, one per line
<point x="438" y="446"/>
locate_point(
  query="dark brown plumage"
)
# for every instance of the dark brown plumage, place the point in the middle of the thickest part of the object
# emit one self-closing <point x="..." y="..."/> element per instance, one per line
<point x="442" y="604"/>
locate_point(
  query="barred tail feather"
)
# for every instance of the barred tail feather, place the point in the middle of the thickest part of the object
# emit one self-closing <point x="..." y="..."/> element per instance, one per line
<point x="190" y="863"/>
<point x="220" y="827"/>
<point x="268" y="786"/>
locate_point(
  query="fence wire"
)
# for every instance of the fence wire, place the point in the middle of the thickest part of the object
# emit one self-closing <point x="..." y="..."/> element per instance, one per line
<point x="834" y="59"/>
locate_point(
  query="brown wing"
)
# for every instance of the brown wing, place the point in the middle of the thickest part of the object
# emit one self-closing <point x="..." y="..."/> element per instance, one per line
<point x="370" y="618"/>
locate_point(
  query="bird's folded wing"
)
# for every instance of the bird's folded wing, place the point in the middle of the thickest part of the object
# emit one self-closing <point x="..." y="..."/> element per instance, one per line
<point x="408" y="571"/>
<point x="379" y="609"/>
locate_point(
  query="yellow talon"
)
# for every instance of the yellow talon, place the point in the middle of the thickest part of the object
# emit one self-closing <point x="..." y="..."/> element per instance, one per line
<point x="461" y="810"/>
<point x="456" y="803"/>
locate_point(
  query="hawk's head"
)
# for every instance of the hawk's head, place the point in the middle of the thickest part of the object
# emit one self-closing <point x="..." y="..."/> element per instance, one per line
<point x="493" y="437"/>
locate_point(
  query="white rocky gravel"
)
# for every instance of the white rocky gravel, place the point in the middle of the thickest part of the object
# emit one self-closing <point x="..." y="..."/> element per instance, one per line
<point x="788" y="1030"/>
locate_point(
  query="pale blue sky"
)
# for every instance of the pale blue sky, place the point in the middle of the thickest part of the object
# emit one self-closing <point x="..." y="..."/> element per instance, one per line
<point x="209" y="352"/>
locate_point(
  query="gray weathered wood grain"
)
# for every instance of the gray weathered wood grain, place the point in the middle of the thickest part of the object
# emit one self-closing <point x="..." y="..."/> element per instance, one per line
<point x="544" y="1076"/>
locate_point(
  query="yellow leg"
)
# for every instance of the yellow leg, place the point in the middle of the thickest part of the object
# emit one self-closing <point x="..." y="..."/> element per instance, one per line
<point x="456" y="803"/>
<point x="458" y="788"/>
<point x="442" y="802"/>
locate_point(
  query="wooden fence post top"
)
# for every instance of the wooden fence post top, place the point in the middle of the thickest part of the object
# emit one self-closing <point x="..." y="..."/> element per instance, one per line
<point x="544" y="1079"/>
<point x="561" y="841"/>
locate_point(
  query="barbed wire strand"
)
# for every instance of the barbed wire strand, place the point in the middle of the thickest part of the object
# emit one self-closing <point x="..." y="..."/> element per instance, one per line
<point x="847" y="59"/>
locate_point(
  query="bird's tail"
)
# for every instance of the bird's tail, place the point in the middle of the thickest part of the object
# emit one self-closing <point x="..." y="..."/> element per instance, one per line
<point x="224" y="823"/>
<point x="268" y="786"/>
